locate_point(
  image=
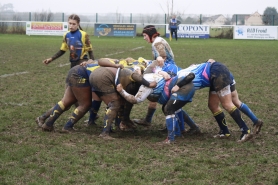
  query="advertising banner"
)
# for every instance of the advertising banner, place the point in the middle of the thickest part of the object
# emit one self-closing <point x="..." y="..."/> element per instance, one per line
<point x="116" y="30"/>
<point x="46" y="28"/>
<point x="256" y="32"/>
<point x="191" y="31"/>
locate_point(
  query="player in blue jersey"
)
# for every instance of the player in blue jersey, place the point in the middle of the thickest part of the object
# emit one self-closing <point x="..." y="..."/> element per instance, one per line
<point x="172" y="101"/>
<point x="77" y="41"/>
<point x="219" y="79"/>
<point x="173" y="26"/>
<point x="78" y="91"/>
<point x="161" y="64"/>
<point x="219" y="115"/>
<point x="160" y="48"/>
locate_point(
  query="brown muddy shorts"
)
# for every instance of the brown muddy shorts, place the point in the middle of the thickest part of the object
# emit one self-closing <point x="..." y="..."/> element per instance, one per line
<point x="102" y="81"/>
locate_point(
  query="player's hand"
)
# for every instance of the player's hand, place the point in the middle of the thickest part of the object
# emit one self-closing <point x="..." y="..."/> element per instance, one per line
<point x="175" y="89"/>
<point x="119" y="66"/>
<point x="160" y="61"/>
<point x="153" y="84"/>
<point x="211" y="60"/>
<point x="83" y="64"/>
<point x="165" y="75"/>
<point x="119" y="87"/>
<point x="47" y="61"/>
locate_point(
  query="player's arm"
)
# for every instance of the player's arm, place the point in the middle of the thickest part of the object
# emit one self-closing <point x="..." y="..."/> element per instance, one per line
<point x="160" y="49"/>
<point x="183" y="82"/>
<point x="89" y="47"/>
<point x="57" y="55"/>
<point x="63" y="49"/>
<point x="151" y="67"/>
<point x="139" y="78"/>
<point x="141" y="95"/>
<point x="106" y="62"/>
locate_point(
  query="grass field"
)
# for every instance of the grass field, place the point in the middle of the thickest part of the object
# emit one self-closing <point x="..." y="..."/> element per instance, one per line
<point x="30" y="156"/>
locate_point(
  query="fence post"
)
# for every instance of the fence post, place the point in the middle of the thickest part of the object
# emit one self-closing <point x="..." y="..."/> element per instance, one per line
<point x="63" y="17"/>
<point x="96" y="17"/>
<point x="236" y="19"/>
<point x="130" y="17"/>
<point x="200" y="18"/>
<point x="30" y="16"/>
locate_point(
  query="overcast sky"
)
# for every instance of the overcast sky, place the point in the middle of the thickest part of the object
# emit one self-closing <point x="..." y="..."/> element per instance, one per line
<point x="143" y="6"/>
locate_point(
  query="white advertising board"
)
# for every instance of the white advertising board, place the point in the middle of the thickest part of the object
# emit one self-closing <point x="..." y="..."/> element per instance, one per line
<point x="46" y="28"/>
<point x="192" y="31"/>
<point x="256" y="32"/>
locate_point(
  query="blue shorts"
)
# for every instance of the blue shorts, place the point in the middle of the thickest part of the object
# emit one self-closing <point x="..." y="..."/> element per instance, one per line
<point x="220" y="76"/>
<point x="78" y="77"/>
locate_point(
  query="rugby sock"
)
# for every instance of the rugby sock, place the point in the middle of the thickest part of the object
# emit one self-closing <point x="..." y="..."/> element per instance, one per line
<point x="57" y="110"/>
<point x="110" y="116"/>
<point x="179" y="115"/>
<point x="235" y="113"/>
<point x="170" y="124"/>
<point x="119" y="117"/>
<point x="46" y="114"/>
<point x="248" y="112"/>
<point x="94" y="110"/>
<point x="106" y="125"/>
<point x="149" y="115"/>
<point x="220" y="118"/>
<point x="188" y="120"/>
<point x="75" y="116"/>
<point x="126" y="111"/>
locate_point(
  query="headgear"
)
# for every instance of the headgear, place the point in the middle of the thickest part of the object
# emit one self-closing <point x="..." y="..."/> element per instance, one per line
<point x="151" y="31"/>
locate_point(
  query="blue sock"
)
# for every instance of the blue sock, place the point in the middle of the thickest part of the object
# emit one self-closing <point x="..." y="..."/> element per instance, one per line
<point x="75" y="117"/>
<point x="188" y="120"/>
<point x="180" y="120"/>
<point x="248" y="112"/>
<point x="150" y="114"/>
<point x="94" y="110"/>
<point x="170" y="123"/>
<point x="57" y="110"/>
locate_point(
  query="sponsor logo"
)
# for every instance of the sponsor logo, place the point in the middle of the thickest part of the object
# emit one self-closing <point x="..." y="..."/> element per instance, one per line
<point x="103" y="29"/>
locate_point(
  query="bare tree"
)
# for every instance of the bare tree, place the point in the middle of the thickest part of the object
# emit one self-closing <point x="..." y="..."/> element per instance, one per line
<point x="44" y="16"/>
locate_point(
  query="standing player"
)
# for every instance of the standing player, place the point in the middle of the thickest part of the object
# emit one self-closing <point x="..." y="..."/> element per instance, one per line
<point x="173" y="26"/>
<point x="77" y="41"/>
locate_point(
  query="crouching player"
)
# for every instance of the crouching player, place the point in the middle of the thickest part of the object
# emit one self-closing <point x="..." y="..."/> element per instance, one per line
<point x="104" y="80"/>
<point x="172" y="101"/>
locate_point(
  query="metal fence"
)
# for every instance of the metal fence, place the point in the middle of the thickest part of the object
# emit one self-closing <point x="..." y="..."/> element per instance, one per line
<point x="14" y="22"/>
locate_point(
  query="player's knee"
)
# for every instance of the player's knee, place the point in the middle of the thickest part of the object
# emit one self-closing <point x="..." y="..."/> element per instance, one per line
<point x="152" y="105"/>
<point x="168" y="110"/>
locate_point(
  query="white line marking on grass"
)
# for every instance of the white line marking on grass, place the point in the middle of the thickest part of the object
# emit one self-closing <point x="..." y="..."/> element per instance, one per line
<point x="62" y="65"/>
<point x="19" y="73"/>
<point x="114" y="53"/>
<point x="14" y="104"/>
<point x="133" y="49"/>
<point x="137" y="48"/>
